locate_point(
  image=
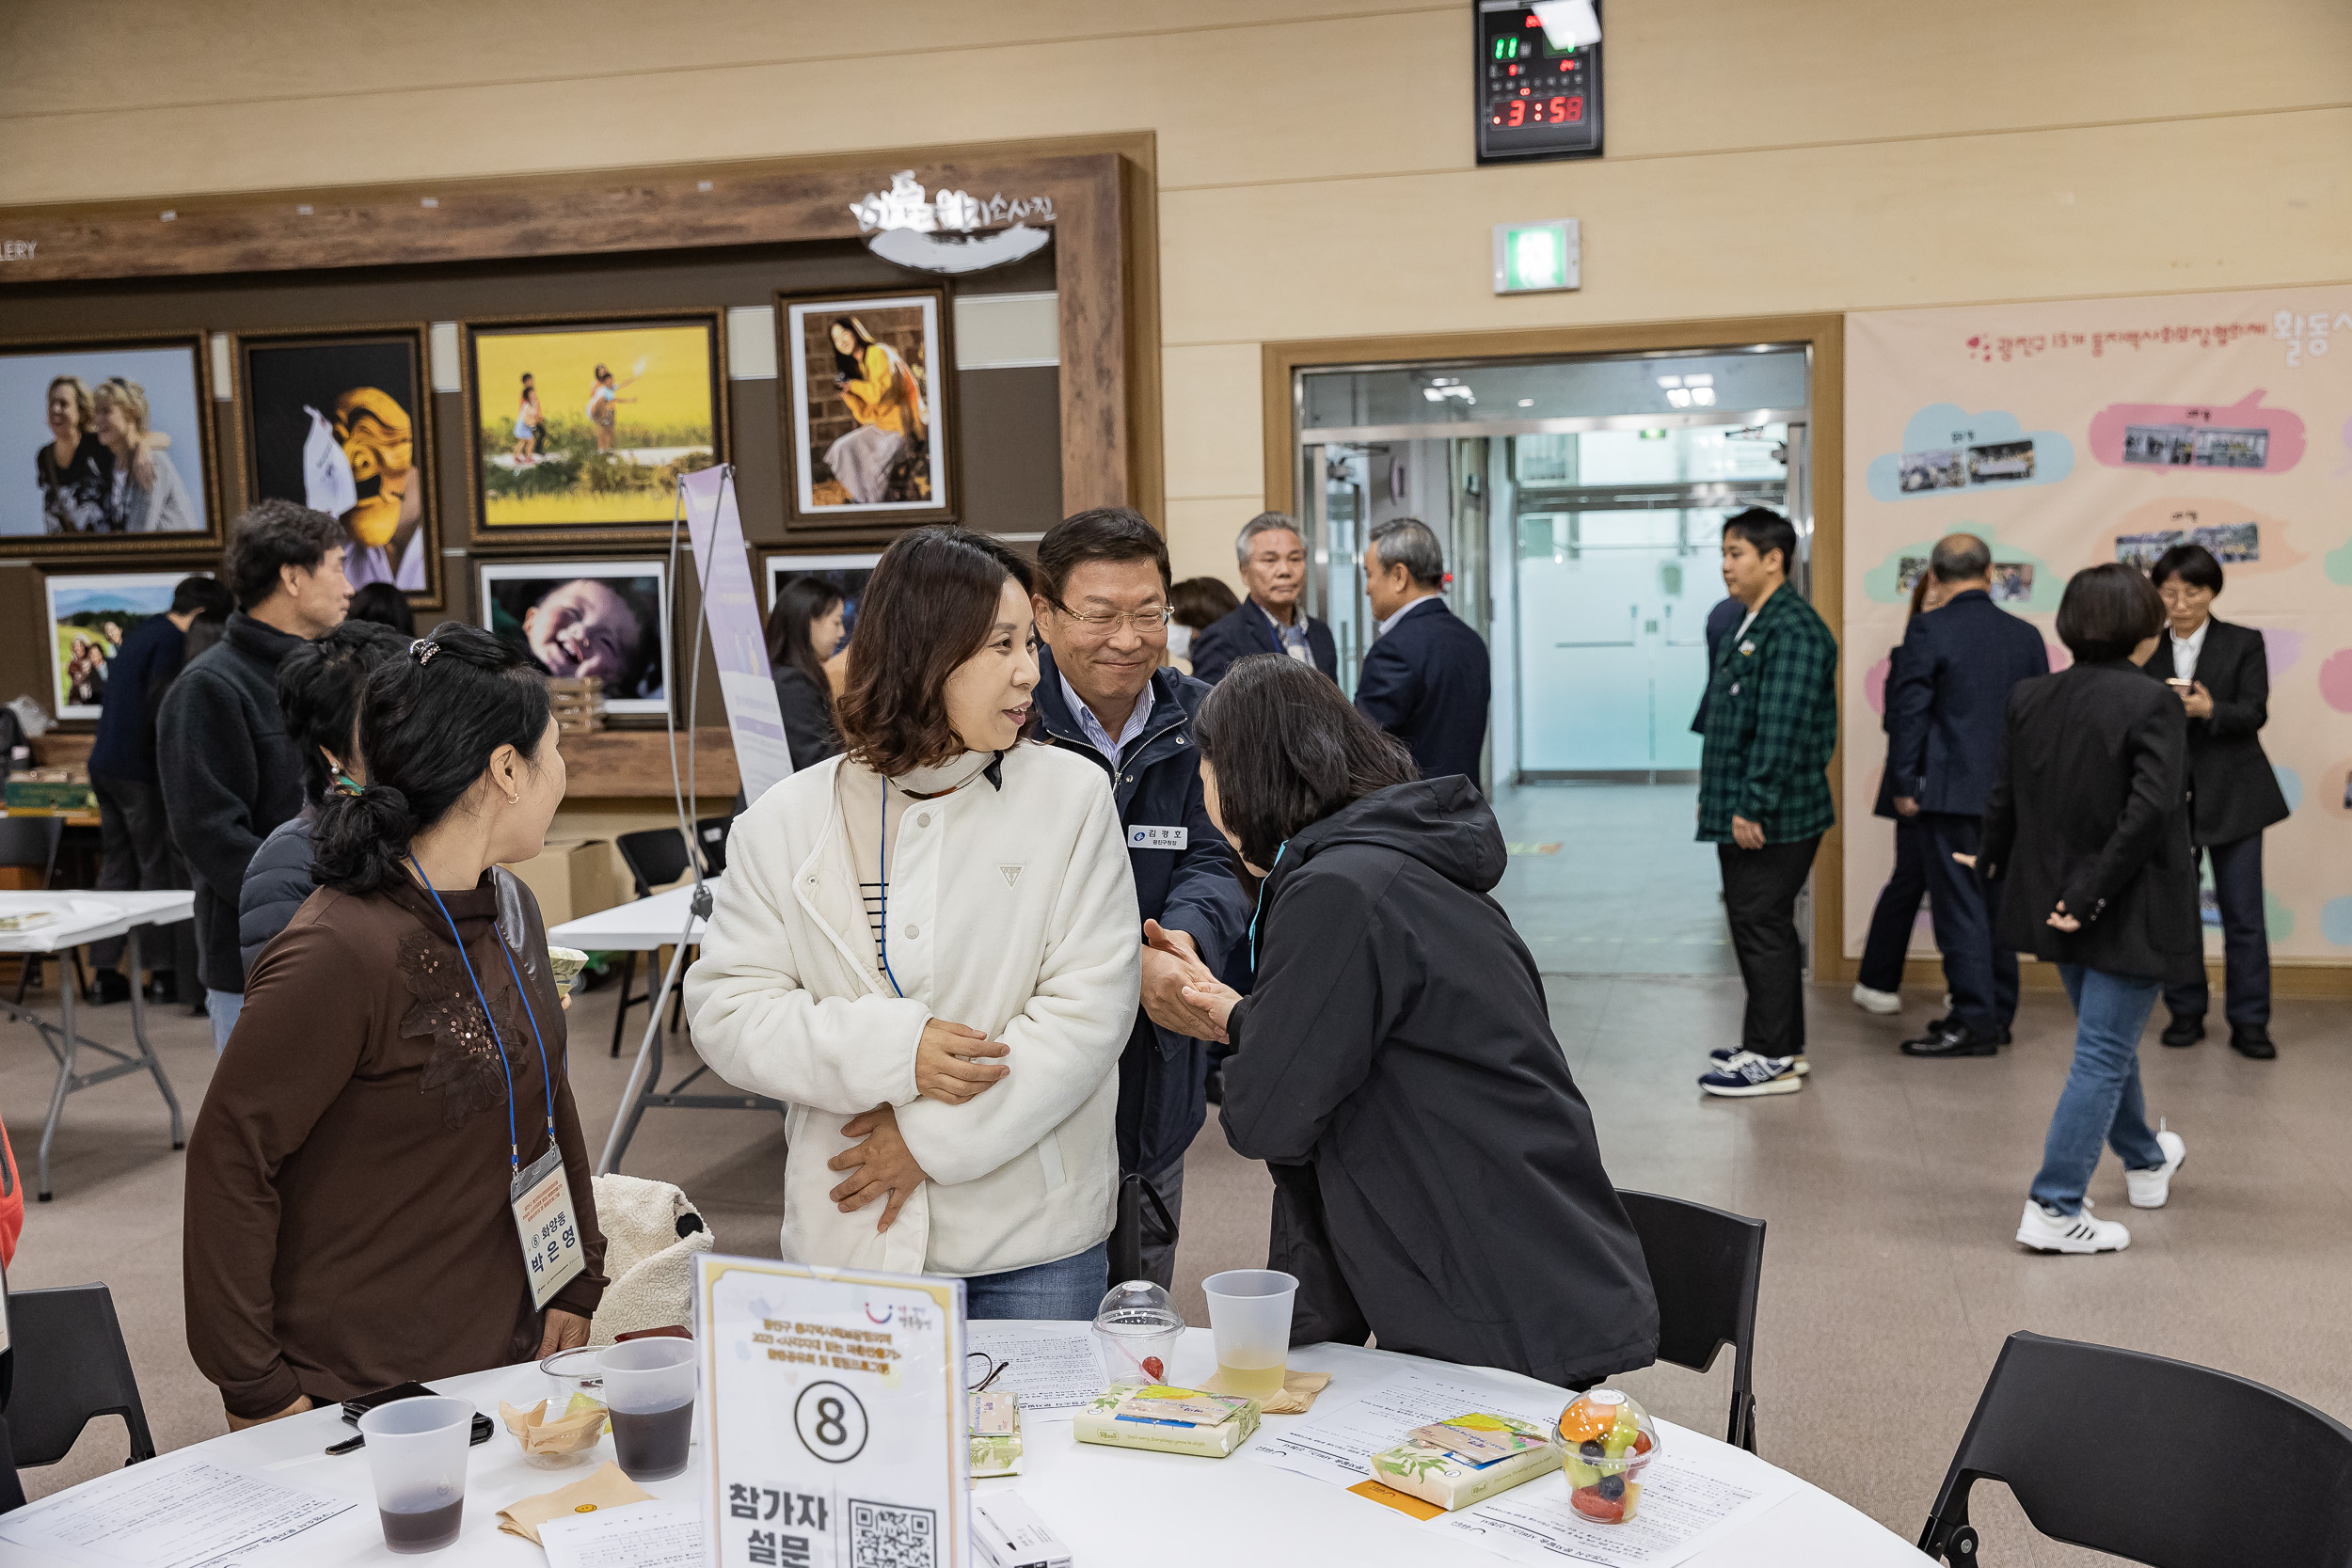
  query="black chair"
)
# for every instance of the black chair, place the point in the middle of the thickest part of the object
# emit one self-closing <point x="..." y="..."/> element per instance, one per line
<point x="711" y="832"/>
<point x="31" y="843"/>
<point x="1705" y="1264"/>
<point x="654" y="857"/>
<point x="2158" y="1460"/>
<point x="70" y="1369"/>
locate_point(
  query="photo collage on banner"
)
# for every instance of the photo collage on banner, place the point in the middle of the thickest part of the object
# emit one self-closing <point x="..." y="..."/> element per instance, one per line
<point x="2067" y="435"/>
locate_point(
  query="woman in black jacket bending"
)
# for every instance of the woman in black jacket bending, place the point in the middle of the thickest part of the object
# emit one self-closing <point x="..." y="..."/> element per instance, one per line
<point x="1436" y="1180"/>
<point x="2087" y="828"/>
<point x="803" y="631"/>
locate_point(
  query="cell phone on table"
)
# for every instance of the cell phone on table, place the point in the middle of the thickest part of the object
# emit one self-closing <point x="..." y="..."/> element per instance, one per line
<point x="2179" y="685"/>
<point x="356" y="1407"/>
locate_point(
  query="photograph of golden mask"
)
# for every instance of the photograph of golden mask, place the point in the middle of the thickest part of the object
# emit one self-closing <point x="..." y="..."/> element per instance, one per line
<point x="332" y="424"/>
<point x="379" y="444"/>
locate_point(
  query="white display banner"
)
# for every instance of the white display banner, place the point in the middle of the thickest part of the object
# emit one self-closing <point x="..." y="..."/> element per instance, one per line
<point x="833" y="1416"/>
<point x="738" y="637"/>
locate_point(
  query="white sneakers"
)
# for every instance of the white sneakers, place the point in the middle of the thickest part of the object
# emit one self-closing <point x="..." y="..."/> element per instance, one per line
<point x="2150" y="1188"/>
<point x="2047" y="1230"/>
<point x="1885" y="1004"/>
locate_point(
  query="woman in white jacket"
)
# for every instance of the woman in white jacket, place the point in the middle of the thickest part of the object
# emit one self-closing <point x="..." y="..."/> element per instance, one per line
<point x="927" y="946"/>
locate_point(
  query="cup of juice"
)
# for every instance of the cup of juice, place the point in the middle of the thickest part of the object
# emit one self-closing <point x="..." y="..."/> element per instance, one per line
<point x="1249" y="1317"/>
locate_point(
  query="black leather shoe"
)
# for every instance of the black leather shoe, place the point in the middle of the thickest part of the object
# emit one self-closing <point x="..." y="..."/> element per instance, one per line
<point x="2254" y="1043"/>
<point x="2184" y="1029"/>
<point x="110" y="986"/>
<point x="1956" y="1040"/>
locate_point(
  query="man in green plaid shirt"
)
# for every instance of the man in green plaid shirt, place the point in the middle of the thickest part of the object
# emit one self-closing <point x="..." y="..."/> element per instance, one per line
<point x="1764" y="802"/>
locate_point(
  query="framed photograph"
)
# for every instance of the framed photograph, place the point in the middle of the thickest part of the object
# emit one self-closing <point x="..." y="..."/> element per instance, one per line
<point x="120" y="439"/>
<point x="610" y="619"/>
<point x="342" y="423"/>
<point x="579" y="429"/>
<point x="866" y="432"/>
<point x="845" y="574"/>
<point x="90" y="617"/>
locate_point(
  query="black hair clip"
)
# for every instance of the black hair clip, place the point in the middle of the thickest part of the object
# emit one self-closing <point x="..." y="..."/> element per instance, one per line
<point x="422" y="650"/>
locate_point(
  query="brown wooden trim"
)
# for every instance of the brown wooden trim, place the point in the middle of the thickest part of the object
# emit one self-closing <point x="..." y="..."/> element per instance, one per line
<point x="129" y="549"/>
<point x="939" y="394"/>
<point x="436" y="594"/>
<point x="635" y="764"/>
<point x="1824" y="335"/>
<point x="480" y="536"/>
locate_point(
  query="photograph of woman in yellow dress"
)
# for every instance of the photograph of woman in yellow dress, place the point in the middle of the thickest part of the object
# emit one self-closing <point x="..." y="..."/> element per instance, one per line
<point x="866" y="404"/>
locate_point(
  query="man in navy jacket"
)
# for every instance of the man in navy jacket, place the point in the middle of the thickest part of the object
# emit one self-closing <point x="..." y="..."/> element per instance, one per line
<point x="1427" y="679"/>
<point x="1102" y="609"/>
<point x="1947" y="709"/>
<point x="1273" y="559"/>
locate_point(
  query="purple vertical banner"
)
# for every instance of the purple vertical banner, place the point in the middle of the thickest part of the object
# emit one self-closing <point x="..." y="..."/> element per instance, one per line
<point x="738" y="643"/>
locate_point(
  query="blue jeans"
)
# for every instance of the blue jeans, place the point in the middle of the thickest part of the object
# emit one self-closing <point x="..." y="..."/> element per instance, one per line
<point x="225" y="1007"/>
<point x="2101" y="1103"/>
<point x="1071" y="1288"/>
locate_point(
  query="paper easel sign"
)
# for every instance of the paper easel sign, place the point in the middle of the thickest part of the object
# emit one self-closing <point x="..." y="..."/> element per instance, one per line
<point x="543" y="1216"/>
<point x="833" y="1416"/>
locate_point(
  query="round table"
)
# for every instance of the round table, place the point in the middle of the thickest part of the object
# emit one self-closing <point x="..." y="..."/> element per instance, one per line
<point x="1116" y="1508"/>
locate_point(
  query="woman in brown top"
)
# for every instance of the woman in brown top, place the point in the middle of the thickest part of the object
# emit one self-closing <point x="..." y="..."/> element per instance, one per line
<point x="349" y="1223"/>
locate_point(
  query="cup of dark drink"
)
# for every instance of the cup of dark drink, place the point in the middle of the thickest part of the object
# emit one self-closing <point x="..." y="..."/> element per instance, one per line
<point x="649" y="1390"/>
<point x="416" y="1453"/>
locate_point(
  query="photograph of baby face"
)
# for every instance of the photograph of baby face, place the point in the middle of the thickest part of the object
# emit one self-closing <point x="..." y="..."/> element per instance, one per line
<point x="606" y="619"/>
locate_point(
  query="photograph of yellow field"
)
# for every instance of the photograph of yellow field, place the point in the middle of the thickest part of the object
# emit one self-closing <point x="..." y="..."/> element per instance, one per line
<point x="580" y="425"/>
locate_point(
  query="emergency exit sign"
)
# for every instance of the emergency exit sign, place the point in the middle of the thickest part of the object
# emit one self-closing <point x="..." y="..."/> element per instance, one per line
<point x="1531" y="257"/>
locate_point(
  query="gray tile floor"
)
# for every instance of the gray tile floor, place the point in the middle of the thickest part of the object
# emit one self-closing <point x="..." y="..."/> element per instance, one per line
<point x="1891" y="1188"/>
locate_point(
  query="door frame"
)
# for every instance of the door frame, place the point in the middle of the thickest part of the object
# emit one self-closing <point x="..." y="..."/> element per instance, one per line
<point x="1824" y="334"/>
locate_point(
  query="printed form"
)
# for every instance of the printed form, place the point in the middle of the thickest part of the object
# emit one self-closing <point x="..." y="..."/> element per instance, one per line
<point x="1056" y="1371"/>
<point x="178" y="1512"/>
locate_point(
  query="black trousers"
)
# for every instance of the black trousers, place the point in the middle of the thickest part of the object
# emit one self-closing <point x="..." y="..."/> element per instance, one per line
<point x="135" y="854"/>
<point x="1896" y="911"/>
<point x="1760" y="888"/>
<point x="2237" y="888"/>
<point x="1979" y="971"/>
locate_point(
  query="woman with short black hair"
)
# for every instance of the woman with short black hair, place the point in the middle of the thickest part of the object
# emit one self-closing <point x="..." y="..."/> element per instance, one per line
<point x="2087" y="828"/>
<point x="928" y="947"/>
<point x="1436" y="1179"/>
<point x="2221" y="674"/>
<point x="803" y="631"/>
<point x="396" y="1083"/>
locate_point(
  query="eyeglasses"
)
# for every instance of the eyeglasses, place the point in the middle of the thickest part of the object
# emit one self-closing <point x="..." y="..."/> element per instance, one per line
<point x="1145" y="621"/>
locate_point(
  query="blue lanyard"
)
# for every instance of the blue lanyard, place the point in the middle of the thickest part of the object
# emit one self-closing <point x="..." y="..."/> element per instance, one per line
<point x="881" y="928"/>
<point x="513" y="1146"/>
<point x="1261" y="904"/>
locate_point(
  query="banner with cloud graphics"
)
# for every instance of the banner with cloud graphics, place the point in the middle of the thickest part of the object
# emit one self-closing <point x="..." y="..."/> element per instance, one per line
<point x="2066" y="435"/>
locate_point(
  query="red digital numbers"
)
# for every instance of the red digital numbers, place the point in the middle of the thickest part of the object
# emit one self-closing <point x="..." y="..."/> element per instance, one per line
<point x="1518" y="111"/>
<point x="1564" y="110"/>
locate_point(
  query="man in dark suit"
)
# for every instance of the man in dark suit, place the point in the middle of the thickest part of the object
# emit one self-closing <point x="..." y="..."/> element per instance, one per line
<point x="1273" y="558"/>
<point x="1947" y="707"/>
<point x="1426" y="680"/>
<point x="2223" y="678"/>
<point x="1719" y="621"/>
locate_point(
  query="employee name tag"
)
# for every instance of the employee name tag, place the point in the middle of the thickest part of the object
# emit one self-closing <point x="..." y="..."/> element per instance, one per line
<point x="543" y="1216"/>
<point x="1158" y="838"/>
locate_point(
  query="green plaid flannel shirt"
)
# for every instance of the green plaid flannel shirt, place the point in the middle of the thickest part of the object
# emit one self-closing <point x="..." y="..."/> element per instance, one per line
<point x="1771" y="724"/>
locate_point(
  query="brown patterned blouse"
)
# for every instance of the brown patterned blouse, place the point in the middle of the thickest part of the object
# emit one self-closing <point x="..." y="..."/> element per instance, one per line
<point x="347" y="1224"/>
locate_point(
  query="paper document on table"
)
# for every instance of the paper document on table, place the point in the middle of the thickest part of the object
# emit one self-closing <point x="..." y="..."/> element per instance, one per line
<point x="1337" y="1446"/>
<point x="179" y="1511"/>
<point x="1694" y="1494"/>
<point x="640" y="1535"/>
<point x="1056" y="1371"/>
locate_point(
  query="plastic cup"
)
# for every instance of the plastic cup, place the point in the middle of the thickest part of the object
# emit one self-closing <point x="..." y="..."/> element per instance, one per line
<point x="649" y="1388"/>
<point x="416" y="1453"/>
<point x="1137" y="1331"/>
<point x="1249" y="1317"/>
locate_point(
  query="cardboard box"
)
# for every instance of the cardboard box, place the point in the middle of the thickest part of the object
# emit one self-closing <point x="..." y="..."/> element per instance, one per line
<point x="571" y="877"/>
<point x="49" y="792"/>
<point x="1451" y="1479"/>
<point x="1120" y="1418"/>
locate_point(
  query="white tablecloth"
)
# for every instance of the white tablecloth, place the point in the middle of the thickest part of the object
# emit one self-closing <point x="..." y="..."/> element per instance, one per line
<point x="641" y="925"/>
<point x="1116" y="1508"/>
<point x="85" y="917"/>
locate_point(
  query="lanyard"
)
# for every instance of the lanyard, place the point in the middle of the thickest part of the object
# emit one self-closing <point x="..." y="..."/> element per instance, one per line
<point x="514" y="1145"/>
<point x="1259" y="908"/>
<point x="882" y="929"/>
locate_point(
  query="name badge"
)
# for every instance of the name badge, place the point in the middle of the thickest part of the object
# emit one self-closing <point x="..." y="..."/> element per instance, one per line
<point x="542" y="1200"/>
<point x="1158" y="838"/>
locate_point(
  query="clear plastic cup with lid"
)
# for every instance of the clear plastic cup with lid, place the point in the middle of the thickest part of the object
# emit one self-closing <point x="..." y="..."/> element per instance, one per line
<point x="1137" y="1331"/>
<point x="1608" y="1441"/>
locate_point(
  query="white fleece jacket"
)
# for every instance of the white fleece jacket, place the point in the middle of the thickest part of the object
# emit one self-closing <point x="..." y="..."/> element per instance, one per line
<point x="1012" y="910"/>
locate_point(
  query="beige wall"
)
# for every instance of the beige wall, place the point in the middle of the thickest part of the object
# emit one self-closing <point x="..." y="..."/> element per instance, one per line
<point x="1315" y="168"/>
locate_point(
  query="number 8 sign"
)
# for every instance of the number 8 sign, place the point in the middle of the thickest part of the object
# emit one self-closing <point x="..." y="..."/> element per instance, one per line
<point x="830" y="1421"/>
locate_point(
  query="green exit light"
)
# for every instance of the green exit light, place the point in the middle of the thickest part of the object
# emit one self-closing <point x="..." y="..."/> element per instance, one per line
<point x="1529" y="258"/>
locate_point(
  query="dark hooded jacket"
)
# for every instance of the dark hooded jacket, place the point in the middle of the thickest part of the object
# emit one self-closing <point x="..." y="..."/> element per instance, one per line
<point x="1437" y="1182"/>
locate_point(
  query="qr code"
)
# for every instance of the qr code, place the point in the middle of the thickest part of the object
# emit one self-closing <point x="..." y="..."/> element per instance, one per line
<point x="890" y="1535"/>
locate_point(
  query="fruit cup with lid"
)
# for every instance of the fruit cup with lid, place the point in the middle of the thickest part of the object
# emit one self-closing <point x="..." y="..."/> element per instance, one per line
<point x="1608" y="1440"/>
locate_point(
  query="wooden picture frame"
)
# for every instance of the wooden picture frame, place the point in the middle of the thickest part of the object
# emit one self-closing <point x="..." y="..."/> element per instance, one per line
<point x="643" y="345"/>
<point x="637" y="600"/>
<point x="282" y="376"/>
<point x="849" y="459"/>
<point x="31" y="504"/>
